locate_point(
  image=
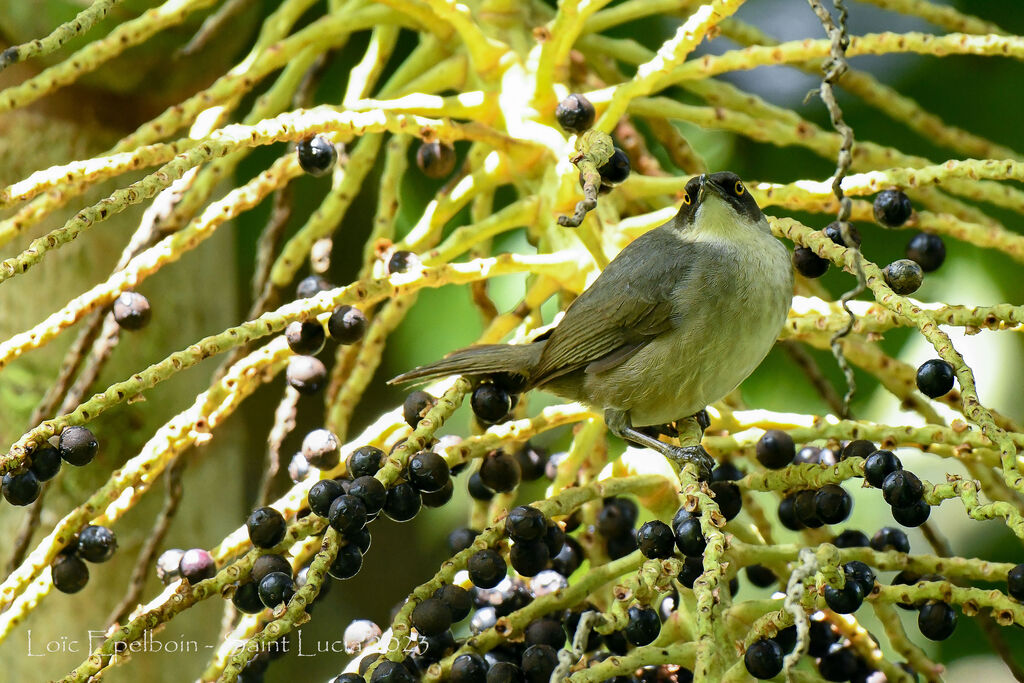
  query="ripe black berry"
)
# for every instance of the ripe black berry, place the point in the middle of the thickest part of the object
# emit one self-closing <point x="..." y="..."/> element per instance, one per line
<point x="892" y="208"/>
<point x="860" y="448"/>
<point x="617" y="517"/>
<point x="532" y="461"/>
<point x="693" y="567"/>
<point x="347" y="515"/>
<point x="371" y="492"/>
<point x="457" y="599"/>
<point x="902" y="488"/>
<point x="903" y="276"/>
<point x="266" y="527"/>
<point x="525" y="523"/>
<point x="786" y="639"/>
<point x="529" y="558"/>
<point x="787" y="513"/>
<point x="927" y="250"/>
<point x="305" y="337"/>
<point x="416" y="406"/>
<point x="347" y="324"/>
<point x="275" y="588"/>
<point x="851" y="538"/>
<point x="545" y="631"/>
<point x="620" y="546"/>
<point x="435" y="159"/>
<point x="689" y="538"/>
<point x="1015" y="583"/>
<point x="96" y="543"/>
<point x="311" y="286"/>
<point x="912" y="515"/>
<point x="616" y="169"/>
<point x="322" y="494"/>
<point x="935" y="378"/>
<point x="539" y="662"/>
<point x="880" y="465"/>
<point x="460" y="539"/>
<point x="554" y="537"/>
<point x="727" y="495"/>
<point x="832" y="504"/>
<point x="131" y="311"/>
<point x="77" y="445"/>
<point x="937" y="620"/>
<point x="761" y="576"/>
<point x="477" y="490"/>
<point x="822" y="637"/>
<point x="575" y="113"/>
<point x="862" y="574"/>
<point x="655" y="540"/>
<point x="499" y="472"/>
<point x="569" y="558"/>
<point x="20" y="489"/>
<point x="809" y="264"/>
<point x="365" y="461"/>
<point x="306" y="374"/>
<point x="841" y="665"/>
<point x="431" y="617"/>
<point x="834" y="233"/>
<point x="45" y="462"/>
<point x="69" y="574"/>
<point x="428" y="471"/>
<point x="807" y="509"/>
<point x="491" y="403"/>
<point x="486" y="568"/>
<point x="763" y="659"/>
<point x="469" y="668"/>
<point x="403" y="502"/>
<point x="348" y="678"/>
<point x="775" y="449"/>
<point x="361" y="539"/>
<point x="890" y="538"/>
<point x="505" y="672"/>
<point x="643" y="627"/>
<point x="316" y="155"/>
<point x="347" y="562"/>
<point x="247" y="598"/>
<point x="726" y="472"/>
<point x="197" y="565"/>
<point x="269" y="563"/>
<point x="845" y="600"/>
<point x="401" y="261"/>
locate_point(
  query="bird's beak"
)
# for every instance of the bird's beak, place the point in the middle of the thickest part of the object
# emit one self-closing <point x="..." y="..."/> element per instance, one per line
<point x="708" y="185"/>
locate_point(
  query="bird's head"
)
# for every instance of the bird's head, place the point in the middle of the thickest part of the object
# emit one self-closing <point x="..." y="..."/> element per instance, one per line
<point x="719" y="203"/>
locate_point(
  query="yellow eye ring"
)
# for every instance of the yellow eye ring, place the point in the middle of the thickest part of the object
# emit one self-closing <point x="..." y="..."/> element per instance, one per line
<point x="686" y="198"/>
<point x="739" y="189"/>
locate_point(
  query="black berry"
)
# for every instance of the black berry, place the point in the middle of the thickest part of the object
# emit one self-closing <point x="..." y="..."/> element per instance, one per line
<point x="457" y="599"/>
<point x="927" y="250"/>
<point x="912" y="515"/>
<point x="371" y="492"/>
<point x="775" y="449"/>
<point x="96" y="543"/>
<point x="862" y="574"/>
<point x="575" y="113"/>
<point x="860" y="448"/>
<point x="763" y="659"/>
<point x="1015" y="583"/>
<point x="554" y="537"/>
<point x="499" y="472"/>
<point x="890" y="538"/>
<point x="832" y="504"/>
<point x="505" y="672"/>
<point x="525" y="523"/>
<point x="431" y="617"/>
<point x="787" y="513"/>
<point x="727" y="495"/>
<point x="167" y="565"/>
<point x="617" y="517"/>
<point x="616" y="169"/>
<point x="935" y="378"/>
<point x="486" y="568"/>
<point x="469" y="668"/>
<point x="436" y="499"/>
<point x="937" y="620"/>
<point x="321" y="449"/>
<point x="761" y="576"/>
<point x="247" y="598"/>
<point x="834" y="233"/>
<point x="532" y="461"/>
<point x="569" y="558"/>
<point x="807" y="509"/>
<point x="20" y="489"/>
<point x="880" y="465"/>
<point x="197" y="565"/>
<point x="45" y="462"/>
<point x="892" y="208"/>
<point x="275" y="588"/>
<point x="689" y="538"/>
<point x="428" y="471"/>
<point x="322" y="494"/>
<point x="529" y="558"/>
<point x="311" y="286"/>
<point x="477" y="489"/>
<point x="269" y="563"/>
<point x="841" y="665"/>
<point x="620" y="546"/>
<point x="416" y="406"/>
<point x="902" y="488"/>
<point x="306" y="374"/>
<point x="845" y="600"/>
<point x="69" y="574"/>
<point x="316" y="155"/>
<point x="347" y="515"/>
<point x="401" y="261"/>
<point x="655" y="540"/>
<point x="643" y="627"/>
<point x="347" y="562"/>
<point x="460" y="539"/>
<point x="822" y="637"/>
<point x="365" y="461"/>
<point x="903" y="276"/>
<point x="539" y="662"/>
<point x="809" y="264"/>
<point x="305" y="337"/>
<point x="403" y="502"/>
<point x="347" y="324"/>
<point x="693" y="567"/>
<point x="851" y="538"/>
<point x="490" y="403"/>
<point x="435" y="160"/>
<point x="131" y="311"/>
<point x="77" y="445"/>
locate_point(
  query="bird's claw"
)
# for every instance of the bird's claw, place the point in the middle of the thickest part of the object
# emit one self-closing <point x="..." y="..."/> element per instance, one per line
<point x="696" y="455"/>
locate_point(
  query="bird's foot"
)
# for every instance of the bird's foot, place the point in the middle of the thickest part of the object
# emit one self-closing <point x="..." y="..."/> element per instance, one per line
<point x="682" y="455"/>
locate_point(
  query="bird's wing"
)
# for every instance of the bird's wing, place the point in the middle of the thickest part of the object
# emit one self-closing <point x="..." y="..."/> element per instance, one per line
<point x="628" y="305"/>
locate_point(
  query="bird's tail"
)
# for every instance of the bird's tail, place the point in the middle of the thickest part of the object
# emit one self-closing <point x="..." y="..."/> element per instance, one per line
<point x="518" y="359"/>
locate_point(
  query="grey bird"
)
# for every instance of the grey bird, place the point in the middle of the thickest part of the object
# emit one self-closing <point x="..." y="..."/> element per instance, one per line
<point x="676" y="321"/>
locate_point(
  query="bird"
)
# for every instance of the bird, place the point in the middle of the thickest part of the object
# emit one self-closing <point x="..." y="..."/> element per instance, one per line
<point x="677" y="320"/>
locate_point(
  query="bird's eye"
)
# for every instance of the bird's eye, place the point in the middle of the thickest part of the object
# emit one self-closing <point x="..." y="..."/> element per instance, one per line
<point x="686" y="198"/>
<point x="739" y="189"/>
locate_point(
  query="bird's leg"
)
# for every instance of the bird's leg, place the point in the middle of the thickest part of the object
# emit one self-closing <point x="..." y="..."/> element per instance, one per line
<point x="619" y="423"/>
